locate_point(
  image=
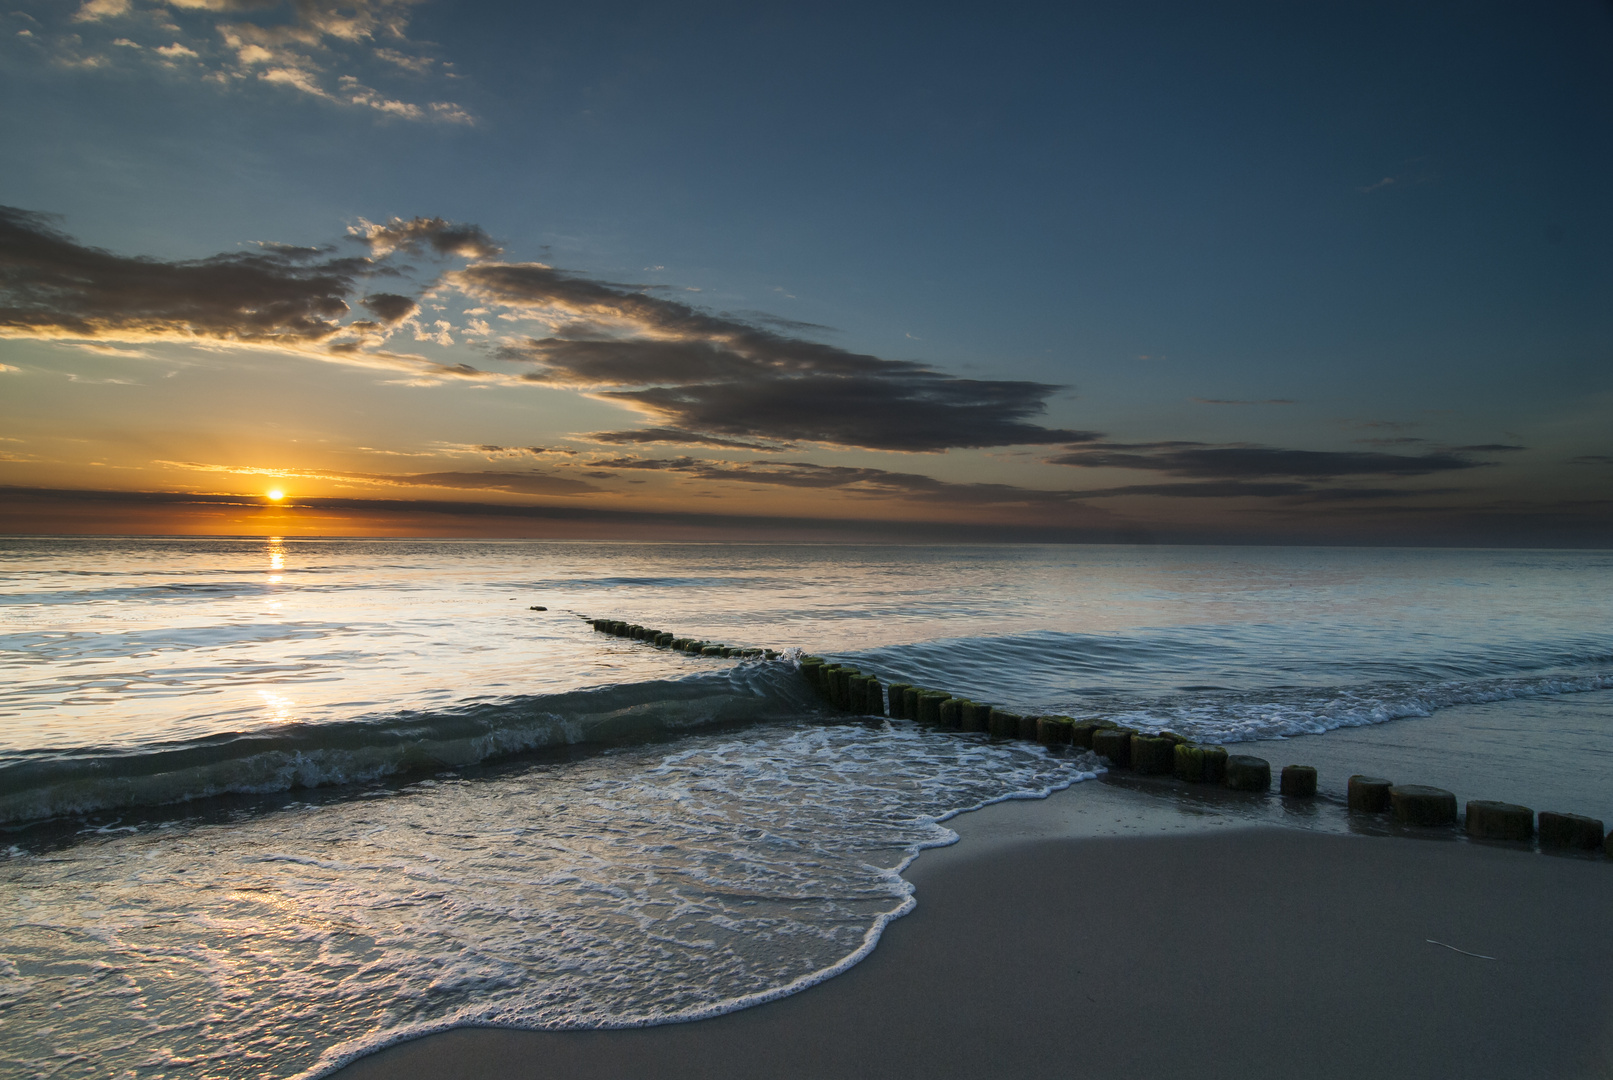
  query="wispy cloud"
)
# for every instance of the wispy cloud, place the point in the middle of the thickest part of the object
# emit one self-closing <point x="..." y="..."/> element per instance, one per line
<point x="863" y="482"/>
<point x="1238" y="401"/>
<point x="291" y="298"/>
<point x="320" y="48"/>
<point x="1205" y="461"/>
<point x="522" y="482"/>
<point x="717" y="376"/>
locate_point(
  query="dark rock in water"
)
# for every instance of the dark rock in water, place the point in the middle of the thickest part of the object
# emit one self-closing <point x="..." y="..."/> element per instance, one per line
<point x="537" y="607"/>
<point x="975" y="716"/>
<point x="1368" y="794"/>
<point x="1569" y="831"/>
<point x="1499" y="821"/>
<point x="1152" y="755"/>
<point x="1054" y="730"/>
<point x="898" y="704"/>
<point x="951" y="713"/>
<point x="1003" y="724"/>
<point x="1418" y="804"/>
<point x="1114" y="744"/>
<point x="1245" y="772"/>
<point x="1298" y="781"/>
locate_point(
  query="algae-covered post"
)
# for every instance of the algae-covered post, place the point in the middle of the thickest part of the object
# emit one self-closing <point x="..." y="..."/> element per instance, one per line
<point x="1245" y="772"/>
<point x="1368" y="794"/>
<point x="1573" y="831"/>
<point x="1417" y="804"/>
<point x="1298" y="781"/>
<point x="1499" y="821"/>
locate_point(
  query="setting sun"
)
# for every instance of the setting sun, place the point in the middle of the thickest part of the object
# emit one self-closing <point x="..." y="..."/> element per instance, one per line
<point x="276" y="495"/>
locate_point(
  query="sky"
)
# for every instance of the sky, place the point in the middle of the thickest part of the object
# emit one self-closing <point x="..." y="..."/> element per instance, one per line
<point x="1122" y="272"/>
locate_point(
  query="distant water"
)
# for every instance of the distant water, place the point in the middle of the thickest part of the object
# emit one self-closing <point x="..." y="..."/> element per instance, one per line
<point x="272" y="804"/>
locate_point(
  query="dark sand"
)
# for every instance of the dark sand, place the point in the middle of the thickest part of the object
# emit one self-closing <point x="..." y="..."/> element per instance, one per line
<point x="1211" y="948"/>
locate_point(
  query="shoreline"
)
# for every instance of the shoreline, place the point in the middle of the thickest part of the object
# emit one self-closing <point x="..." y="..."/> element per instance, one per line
<point x="1107" y="932"/>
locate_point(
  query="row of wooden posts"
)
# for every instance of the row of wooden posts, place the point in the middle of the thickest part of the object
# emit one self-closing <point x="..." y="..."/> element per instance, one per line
<point x="1163" y="753"/>
<point x="1167" y="753"/>
<point x="666" y="640"/>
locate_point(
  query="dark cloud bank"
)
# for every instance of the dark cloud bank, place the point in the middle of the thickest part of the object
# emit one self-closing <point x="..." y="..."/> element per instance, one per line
<point x="717" y="380"/>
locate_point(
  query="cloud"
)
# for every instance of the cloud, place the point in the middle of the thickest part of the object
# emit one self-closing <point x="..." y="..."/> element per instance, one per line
<point x="525" y="482"/>
<point x="289" y="43"/>
<point x="1236" y="401"/>
<point x="859" y="481"/>
<point x="390" y="307"/>
<point x="51" y="286"/>
<point x="289" y="298"/>
<point x="433" y="234"/>
<point x="665" y="436"/>
<point x="1583" y="459"/>
<point x="1489" y="448"/>
<point x="1293" y="490"/>
<point x="718" y="376"/>
<point x="1200" y="460"/>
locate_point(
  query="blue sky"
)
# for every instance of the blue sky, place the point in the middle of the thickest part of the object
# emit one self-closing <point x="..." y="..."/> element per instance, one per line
<point x="1249" y="271"/>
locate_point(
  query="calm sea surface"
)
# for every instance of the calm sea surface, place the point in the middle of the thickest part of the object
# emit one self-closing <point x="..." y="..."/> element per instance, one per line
<point x="270" y="804"/>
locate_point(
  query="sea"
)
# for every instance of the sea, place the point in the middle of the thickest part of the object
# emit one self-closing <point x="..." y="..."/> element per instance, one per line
<point x="267" y="805"/>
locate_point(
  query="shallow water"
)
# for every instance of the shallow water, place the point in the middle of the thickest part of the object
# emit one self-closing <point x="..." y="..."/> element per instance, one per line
<point x="274" y="803"/>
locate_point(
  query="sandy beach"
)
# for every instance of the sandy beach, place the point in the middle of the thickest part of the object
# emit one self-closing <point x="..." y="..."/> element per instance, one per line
<point x="1102" y="934"/>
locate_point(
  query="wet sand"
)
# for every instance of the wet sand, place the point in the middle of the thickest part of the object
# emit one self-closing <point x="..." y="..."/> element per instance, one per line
<point x="1091" y="935"/>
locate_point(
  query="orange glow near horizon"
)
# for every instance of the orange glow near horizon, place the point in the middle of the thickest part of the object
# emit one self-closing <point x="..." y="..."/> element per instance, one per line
<point x="276" y="495"/>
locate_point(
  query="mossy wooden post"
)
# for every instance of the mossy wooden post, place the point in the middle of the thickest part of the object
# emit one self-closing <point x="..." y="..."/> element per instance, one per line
<point x="1187" y="762"/>
<point x="1499" y="821"/>
<point x="873" y="696"/>
<point x="838" y="675"/>
<point x="812" y="671"/>
<point x="853" y="696"/>
<point x="1298" y="781"/>
<point x="1114" y="744"/>
<point x="1027" y="727"/>
<point x="866" y="696"/>
<point x="1004" y="724"/>
<point x="930" y="706"/>
<point x="910" y="702"/>
<point x="1081" y="733"/>
<point x="951" y="713"/>
<point x="711" y="650"/>
<point x="975" y="716"/>
<point x="1569" y="831"/>
<point x="1367" y="794"/>
<point x="1245" y="772"/>
<point x="898" y="694"/>
<point x="1215" y="764"/>
<point x="1054" y="730"/>
<point x="1152" y="755"/>
<point x="1418" y="804"/>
